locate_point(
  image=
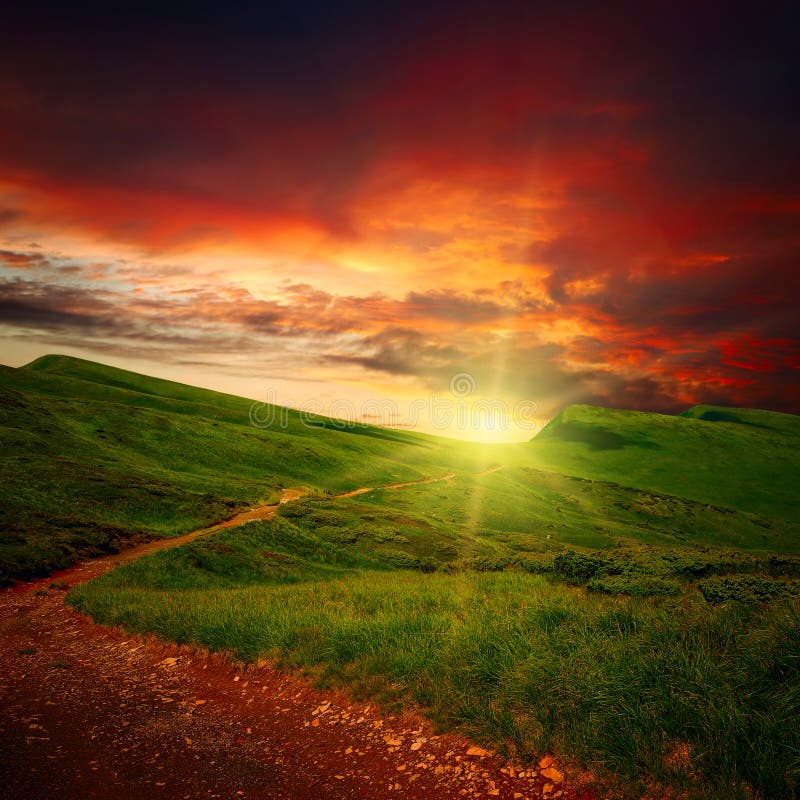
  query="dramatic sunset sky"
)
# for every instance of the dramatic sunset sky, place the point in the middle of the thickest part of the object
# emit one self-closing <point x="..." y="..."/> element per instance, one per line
<point x="570" y="202"/>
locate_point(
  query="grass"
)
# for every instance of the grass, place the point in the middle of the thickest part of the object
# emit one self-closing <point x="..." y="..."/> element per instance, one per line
<point x="737" y="458"/>
<point x="624" y="591"/>
<point x="617" y="656"/>
<point x="522" y="663"/>
<point x="96" y="458"/>
<point x="523" y="508"/>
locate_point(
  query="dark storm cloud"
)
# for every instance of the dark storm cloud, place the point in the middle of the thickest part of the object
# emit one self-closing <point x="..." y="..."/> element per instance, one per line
<point x="402" y="351"/>
<point x="77" y="316"/>
<point x="741" y="294"/>
<point x="515" y="368"/>
<point x="298" y="104"/>
<point x="14" y="311"/>
<point x="39" y="305"/>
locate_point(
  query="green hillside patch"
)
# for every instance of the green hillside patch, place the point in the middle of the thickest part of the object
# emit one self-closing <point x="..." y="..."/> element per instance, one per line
<point x="92" y="448"/>
<point x="530" y="510"/>
<point x="624" y="587"/>
<point x="784" y="424"/>
<point x="615" y="647"/>
<point x="113" y="456"/>
<point x="738" y="458"/>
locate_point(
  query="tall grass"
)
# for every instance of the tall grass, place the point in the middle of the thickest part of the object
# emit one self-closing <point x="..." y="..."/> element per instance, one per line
<point x="526" y="665"/>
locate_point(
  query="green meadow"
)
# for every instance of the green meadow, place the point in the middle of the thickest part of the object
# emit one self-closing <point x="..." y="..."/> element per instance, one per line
<point x="737" y="458"/>
<point x="623" y="590"/>
<point x="95" y="457"/>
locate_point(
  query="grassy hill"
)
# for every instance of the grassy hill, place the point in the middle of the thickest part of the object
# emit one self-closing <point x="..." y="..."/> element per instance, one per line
<point x="616" y="639"/>
<point x="96" y="457"/>
<point x="737" y="458"/>
<point x="99" y="456"/>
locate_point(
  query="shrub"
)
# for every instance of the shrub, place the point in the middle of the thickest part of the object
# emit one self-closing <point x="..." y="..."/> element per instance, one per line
<point x="577" y="567"/>
<point x="745" y="588"/>
<point x="490" y="563"/>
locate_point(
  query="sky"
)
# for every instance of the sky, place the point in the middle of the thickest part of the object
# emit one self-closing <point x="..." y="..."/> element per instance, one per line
<point x="520" y="204"/>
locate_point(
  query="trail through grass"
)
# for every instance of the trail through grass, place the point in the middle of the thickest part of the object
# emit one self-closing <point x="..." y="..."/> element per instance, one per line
<point x="577" y="650"/>
<point x="624" y="590"/>
<point x="518" y="662"/>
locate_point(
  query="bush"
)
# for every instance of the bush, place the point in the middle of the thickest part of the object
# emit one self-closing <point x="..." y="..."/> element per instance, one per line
<point x="490" y="563"/>
<point x="745" y="588"/>
<point x="577" y="567"/>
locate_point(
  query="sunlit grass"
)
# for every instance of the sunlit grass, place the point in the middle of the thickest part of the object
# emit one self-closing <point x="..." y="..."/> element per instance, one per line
<point x="94" y="458"/>
<point x="523" y="664"/>
<point x="612" y="656"/>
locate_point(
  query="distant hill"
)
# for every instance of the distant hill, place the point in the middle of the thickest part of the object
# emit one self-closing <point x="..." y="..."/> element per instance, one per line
<point x="787" y="424"/>
<point x="92" y="372"/>
<point x="140" y="390"/>
<point x="739" y="458"/>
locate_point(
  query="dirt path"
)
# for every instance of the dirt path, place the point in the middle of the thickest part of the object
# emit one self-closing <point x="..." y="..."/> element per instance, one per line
<point x="395" y="486"/>
<point x="91" y="712"/>
<point x="492" y="470"/>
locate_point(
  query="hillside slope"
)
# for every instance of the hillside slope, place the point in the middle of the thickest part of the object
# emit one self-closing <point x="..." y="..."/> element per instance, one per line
<point x="739" y="458"/>
<point x="96" y="457"/>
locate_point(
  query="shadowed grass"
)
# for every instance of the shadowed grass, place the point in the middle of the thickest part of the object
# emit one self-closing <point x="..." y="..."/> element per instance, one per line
<point x="738" y="458"/>
<point x="96" y="457"/>
<point x="622" y="669"/>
